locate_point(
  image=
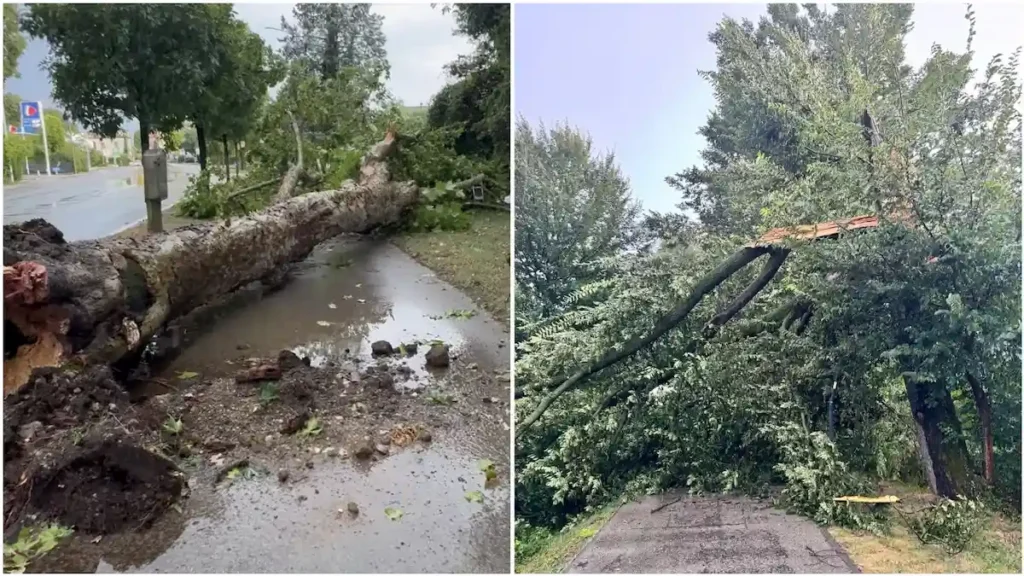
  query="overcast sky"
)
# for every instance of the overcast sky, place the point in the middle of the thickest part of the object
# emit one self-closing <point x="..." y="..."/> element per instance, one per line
<point x="420" y="41"/>
<point x="627" y="74"/>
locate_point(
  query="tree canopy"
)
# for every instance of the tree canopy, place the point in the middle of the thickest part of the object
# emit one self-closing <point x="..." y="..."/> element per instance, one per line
<point x="14" y="41"/>
<point x="330" y="37"/>
<point x="153" y="54"/>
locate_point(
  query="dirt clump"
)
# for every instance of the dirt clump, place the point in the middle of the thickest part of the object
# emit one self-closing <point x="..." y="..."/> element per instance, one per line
<point x="64" y="398"/>
<point x="105" y="489"/>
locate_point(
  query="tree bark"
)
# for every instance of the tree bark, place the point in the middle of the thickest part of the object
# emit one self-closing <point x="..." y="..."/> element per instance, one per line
<point x="704" y="286"/>
<point x="101" y="301"/>
<point x="984" y="406"/>
<point x="227" y="157"/>
<point x="201" y="141"/>
<point x="943" y="456"/>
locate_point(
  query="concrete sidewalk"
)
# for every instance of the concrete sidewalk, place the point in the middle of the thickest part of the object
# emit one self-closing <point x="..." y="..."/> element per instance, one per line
<point x="710" y="535"/>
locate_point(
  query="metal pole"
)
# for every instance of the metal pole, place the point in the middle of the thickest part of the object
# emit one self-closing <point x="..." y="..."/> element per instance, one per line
<point x="46" y="148"/>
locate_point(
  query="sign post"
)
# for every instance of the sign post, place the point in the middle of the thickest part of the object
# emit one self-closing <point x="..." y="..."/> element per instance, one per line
<point x="154" y="187"/>
<point x="32" y="123"/>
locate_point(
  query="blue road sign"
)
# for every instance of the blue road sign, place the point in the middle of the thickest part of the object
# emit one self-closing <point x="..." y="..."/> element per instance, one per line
<point x="31" y="118"/>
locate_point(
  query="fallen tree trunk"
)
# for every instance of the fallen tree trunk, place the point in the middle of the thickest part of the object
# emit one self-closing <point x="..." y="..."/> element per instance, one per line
<point x="101" y="301"/>
<point x="704" y="286"/>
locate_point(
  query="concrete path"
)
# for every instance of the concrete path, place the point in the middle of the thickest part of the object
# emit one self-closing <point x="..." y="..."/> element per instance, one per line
<point x="710" y="535"/>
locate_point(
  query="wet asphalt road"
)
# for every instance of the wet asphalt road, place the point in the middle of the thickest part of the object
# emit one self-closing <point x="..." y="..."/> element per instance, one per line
<point x="92" y="205"/>
<point x="710" y="535"/>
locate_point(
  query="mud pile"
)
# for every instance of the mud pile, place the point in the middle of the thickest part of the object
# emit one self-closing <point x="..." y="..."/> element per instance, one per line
<point x="108" y="488"/>
<point x="71" y="454"/>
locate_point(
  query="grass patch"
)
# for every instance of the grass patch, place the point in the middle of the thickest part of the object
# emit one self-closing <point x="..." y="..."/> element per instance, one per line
<point x="546" y="552"/>
<point x="995" y="549"/>
<point x="475" y="260"/>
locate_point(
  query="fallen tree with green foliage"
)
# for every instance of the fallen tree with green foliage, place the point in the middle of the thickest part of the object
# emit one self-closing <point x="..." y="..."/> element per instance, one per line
<point x="860" y="359"/>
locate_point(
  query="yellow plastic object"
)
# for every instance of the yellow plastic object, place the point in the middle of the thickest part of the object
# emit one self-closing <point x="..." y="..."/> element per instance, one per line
<point x="868" y="499"/>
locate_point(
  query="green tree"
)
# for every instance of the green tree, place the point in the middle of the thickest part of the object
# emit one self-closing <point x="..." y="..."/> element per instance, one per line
<point x="56" y="130"/>
<point x="14" y="41"/>
<point x="151" y="56"/>
<point x="573" y="207"/>
<point x="330" y="37"/>
<point x="12" y="109"/>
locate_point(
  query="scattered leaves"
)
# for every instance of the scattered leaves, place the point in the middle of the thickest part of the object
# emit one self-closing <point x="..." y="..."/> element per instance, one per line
<point x="313" y="427"/>
<point x="187" y="375"/>
<point x="393" y="513"/>
<point x="32" y="543"/>
<point x="474" y="496"/>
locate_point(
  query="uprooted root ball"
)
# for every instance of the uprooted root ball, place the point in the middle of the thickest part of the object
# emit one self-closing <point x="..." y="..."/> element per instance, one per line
<point x="107" y="489"/>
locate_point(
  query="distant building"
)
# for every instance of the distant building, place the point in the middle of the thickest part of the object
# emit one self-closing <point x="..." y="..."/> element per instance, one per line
<point x="111" y="148"/>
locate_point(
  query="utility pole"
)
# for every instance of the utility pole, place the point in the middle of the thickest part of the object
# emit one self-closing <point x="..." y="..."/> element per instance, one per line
<point x="46" y="148"/>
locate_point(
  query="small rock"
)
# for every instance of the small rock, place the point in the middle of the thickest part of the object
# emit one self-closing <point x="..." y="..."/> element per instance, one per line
<point x="76" y="391"/>
<point x="269" y="439"/>
<point x="382" y="348"/>
<point x="282" y="475"/>
<point x="303" y="498"/>
<point x="489" y="400"/>
<point x="309" y="464"/>
<point x="437" y="356"/>
<point x="364" y="451"/>
<point x="474" y="366"/>
<point x="330" y="452"/>
<point x="259" y="374"/>
<point x="242" y="347"/>
<point x="95" y="407"/>
<point x="424" y="436"/>
<point x="184" y="451"/>
<point x="383" y="449"/>
<point x="287" y="360"/>
<point x="385" y="439"/>
<point x="29" y="430"/>
<point x="504" y="377"/>
<point x="353" y="508"/>
<point x="411" y="349"/>
<point x="385" y="381"/>
<point x="215" y="445"/>
<point x="295" y="424"/>
<point x="112" y="407"/>
<point x="317" y="450"/>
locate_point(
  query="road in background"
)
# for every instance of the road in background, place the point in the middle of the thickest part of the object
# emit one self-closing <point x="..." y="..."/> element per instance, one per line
<point x="90" y="205"/>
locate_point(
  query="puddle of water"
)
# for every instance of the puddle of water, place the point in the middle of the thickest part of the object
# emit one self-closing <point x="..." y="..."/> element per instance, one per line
<point x="381" y="294"/>
<point x="262" y="526"/>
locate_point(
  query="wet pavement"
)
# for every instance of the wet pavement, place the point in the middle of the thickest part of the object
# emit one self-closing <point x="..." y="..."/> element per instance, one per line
<point x="709" y="535"/>
<point x="348" y="294"/>
<point x="91" y="205"/>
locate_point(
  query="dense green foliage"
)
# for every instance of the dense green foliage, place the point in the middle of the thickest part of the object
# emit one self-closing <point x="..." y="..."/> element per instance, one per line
<point x="333" y="70"/>
<point x="573" y="208"/>
<point x="478" y="103"/>
<point x="328" y="38"/>
<point x="14" y="41"/>
<point x="822" y="383"/>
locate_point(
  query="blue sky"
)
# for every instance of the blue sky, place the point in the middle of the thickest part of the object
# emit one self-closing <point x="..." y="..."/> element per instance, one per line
<point x="627" y="74"/>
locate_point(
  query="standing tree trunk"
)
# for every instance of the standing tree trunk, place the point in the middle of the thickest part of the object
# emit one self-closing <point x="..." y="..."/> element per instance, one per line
<point x="984" y="407"/>
<point x="941" y="448"/>
<point x="241" y="159"/>
<point x="201" y="141"/>
<point x="227" y="158"/>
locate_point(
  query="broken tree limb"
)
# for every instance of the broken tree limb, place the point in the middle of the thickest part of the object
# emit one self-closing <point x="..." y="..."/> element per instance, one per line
<point x="711" y="329"/>
<point x="114" y="294"/>
<point x="704" y="286"/>
<point x="291" y="178"/>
